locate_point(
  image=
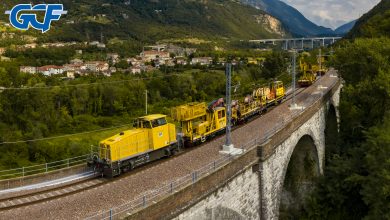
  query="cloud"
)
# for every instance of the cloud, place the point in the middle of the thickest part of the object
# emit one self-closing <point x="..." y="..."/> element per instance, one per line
<point x="332" y="13"/>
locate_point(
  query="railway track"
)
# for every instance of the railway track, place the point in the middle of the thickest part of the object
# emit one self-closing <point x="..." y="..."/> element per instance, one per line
<point x="49" y="194"/>
<point x="73" y="188"/>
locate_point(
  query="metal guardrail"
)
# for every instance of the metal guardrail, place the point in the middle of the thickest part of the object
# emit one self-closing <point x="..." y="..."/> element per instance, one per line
<point x="158" y="194"/>
<point x="42" y="168"/>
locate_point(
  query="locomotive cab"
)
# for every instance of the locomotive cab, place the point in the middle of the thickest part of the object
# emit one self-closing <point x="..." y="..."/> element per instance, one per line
<point x="151" y="138"/>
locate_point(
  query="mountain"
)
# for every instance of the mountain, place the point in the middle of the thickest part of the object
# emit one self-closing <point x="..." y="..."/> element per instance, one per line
<point x="345" y="28"/>
<point x="375" y="23"/>
<point x="292" y="19"/>
<point x="154" y="20"/>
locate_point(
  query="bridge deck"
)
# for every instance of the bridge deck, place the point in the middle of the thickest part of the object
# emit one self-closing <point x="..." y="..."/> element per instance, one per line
<point x="89" y="202"/>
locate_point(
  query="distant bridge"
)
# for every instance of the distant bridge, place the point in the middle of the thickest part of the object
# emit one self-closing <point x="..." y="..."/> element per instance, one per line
<point x="299" y="43"/>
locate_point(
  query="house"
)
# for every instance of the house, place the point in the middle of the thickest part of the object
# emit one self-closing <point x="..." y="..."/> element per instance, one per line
<point x="112" y="70"/>
<point x="97" y="66"/>
<point x="106" y="73"/>
<point x="2" y="50"/>
<point x="28" y="69"/>
<point x="203" y="61"/>
<point x="181" y="60"/>
<point x="50" y="70"/>
<point x="170" y="62"/>
<point x="75" y="67"/>
<point x="94" y="43"/>
<point x="180" y="51"/>
<point x="136" y="70"/>
<point x="70" y="74"/>
<point x="135" y="61"/>
<point x="30" y="46"/>
<point x="101" y="45"/>
<point x="150" y="55"/>
<point x="114" y="57"/>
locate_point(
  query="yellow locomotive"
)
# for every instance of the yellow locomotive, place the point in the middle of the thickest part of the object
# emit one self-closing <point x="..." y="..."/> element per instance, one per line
<point x="150" y="139"/>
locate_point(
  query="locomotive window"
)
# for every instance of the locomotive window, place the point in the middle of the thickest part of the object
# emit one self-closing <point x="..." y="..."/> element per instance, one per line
<point x="146" y="124"/>
<point x="219" y="115"/>
<point x="159" y="122"/>
<point x="223" y="113"/>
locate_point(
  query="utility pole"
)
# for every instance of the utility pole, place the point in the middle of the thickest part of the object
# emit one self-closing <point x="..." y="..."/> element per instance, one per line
<point x="320" y="60"/>
<point x="229" y="104"/>
<point x="228" y="147"/>
<point x="294" y="68"/>
<point x="146" y="102"/>
<point x="294" y="105"/>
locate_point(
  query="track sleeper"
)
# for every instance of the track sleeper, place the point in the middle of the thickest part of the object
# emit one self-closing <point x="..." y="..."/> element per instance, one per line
<point x="11" y="202"/>
<point x="72" y="189"/>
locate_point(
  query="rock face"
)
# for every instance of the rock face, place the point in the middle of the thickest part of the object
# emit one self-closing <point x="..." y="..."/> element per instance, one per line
<point x="291" y="18"/>
<point x="271" y="24"/>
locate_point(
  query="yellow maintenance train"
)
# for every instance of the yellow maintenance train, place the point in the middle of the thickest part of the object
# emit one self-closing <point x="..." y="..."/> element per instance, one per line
<point x="152" y="137"/>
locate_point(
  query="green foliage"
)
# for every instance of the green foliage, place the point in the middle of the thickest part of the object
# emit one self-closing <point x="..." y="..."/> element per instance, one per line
<point x="42" y="56"/>
<point x="356" y="182"/>
<point x="169" y="19"/>
<point x="375" y="23"/>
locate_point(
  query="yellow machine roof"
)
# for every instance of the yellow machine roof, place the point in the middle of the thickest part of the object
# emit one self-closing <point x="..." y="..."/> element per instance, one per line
<point x="119" y="137"/>
<point x="152" y="117"/>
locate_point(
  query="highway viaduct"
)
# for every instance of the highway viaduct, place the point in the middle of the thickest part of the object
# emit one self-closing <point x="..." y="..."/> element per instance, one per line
<point x="299" y="43"/>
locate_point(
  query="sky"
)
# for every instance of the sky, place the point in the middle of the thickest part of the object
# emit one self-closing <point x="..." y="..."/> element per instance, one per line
<point x="332" y="13"/>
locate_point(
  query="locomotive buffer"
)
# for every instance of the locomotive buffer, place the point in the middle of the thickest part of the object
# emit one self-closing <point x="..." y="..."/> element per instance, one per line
<point x="228" y="147"/>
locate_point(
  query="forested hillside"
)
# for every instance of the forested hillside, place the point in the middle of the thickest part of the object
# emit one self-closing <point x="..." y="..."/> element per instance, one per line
<point x="356" y="184"/>
<point x="151" y="21"/>
<point x="376" y="23"/>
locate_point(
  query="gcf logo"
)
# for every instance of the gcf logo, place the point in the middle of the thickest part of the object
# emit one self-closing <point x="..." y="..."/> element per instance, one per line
<point x="20" y="17"/>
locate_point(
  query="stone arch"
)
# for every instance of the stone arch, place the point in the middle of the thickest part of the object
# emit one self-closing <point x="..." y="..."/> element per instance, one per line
<point x="331" y="131"/>
<point x="302" y="168"/>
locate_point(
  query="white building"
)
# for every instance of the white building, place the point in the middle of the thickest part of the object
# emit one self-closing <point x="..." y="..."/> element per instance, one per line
<point x="136" y="70"/>
<point x="97" y="66"/>
<point x="153" y="55"/>
<point x="50" y="70"/>
<point x="203" y="61"/>
<point x="28" y="69"/>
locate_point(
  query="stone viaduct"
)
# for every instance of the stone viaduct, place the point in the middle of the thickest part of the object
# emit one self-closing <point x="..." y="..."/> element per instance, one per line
<point x="267" y="182"/>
